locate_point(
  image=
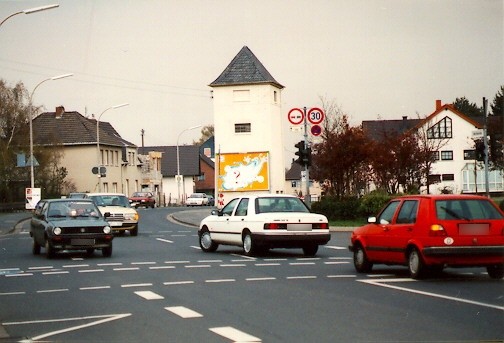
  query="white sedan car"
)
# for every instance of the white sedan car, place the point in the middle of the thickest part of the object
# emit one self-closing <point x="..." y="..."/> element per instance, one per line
<point x="262" y="222"/>
<point x="197" y="199"/>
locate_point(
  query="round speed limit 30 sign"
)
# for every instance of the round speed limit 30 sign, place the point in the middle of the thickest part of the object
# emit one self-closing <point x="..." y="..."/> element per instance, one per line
<point x="315" y="115"/>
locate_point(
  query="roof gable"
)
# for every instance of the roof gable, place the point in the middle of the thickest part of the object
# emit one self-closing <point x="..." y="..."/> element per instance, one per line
<point x="245" y="68"/>
<point x="451" y="108"/>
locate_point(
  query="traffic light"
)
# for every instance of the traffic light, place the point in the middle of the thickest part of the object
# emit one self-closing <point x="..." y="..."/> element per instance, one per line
<point x="304" y="154"/>
<point x="300" y="153"/>
<point x="480" y="150"/>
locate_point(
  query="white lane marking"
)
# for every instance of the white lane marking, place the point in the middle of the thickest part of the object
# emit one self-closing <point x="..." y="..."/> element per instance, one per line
<point x="275" y="259"/>
<point x="308" y="259"/>
<point x="198" y="266"/>
<point x="242" y="260"/>
<point x="260" y="278"/>
<point x="136" y="285"/>
<point x="148" y="295"/>
<point x="301" y="277"/>
<point x="244" y="257"/>
<point x="336" y="262"/>
<point x="176" y="262"/>
<point x="178" y="283"/>
<point x="21" y="274"/>
<point x="234" y="334"/>
<point x="233" y="265"/>
<point x="178" y="235"/>
<point x="142" y="263"/>
<point x="183" y="312"/>
<point x="37" y="268"/>
<point x="109" y="264"/>
<point x="164" y="240"/>
<point x="125" y="269"/>
<point x="302" y="263"/>
<point x="107" y="318"/>
<point x="209" y="261"/>
<point x="94" y="288"/>
<point x="13" y="293"/>
<point x="341" y="258"/>
<point x="383" y="283"/>
<point x="342" y="276"/>
<point x="335" y="247"/>
<point x="53" y="290"/>
<point x="57" y="272"/>
<point x="91" y="271"/>
<point x="220" y="280"/>
<point x="76" y="265"/>
<point x="195" y="247"/>
<point x="266" y="264"/>
<point x="162" y="267"/>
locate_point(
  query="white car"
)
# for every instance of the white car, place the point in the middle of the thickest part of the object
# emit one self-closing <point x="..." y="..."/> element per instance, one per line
<point x="122" y="216"/>
<point x="197" y="199"/>
<point x="261" y="222"/>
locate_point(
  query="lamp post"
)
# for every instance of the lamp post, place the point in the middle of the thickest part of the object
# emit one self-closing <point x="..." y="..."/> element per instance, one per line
<point x="32" y="177"/>
<point x="98" y="160"/>
<point x="30" y="10"/>
<point x="178" y="160"/>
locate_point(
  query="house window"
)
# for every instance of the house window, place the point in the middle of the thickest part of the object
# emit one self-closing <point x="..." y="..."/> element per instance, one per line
<point x="448" y="177"/>
<point x="435" y="155"/>
<point x="201" y="177"/>
<point x="442" y="129"/>
<point x="207" y="152"/>
<point x="469" y="154"/>
<point x="275" y="97"/>
<point x="447" y="155"/>
<point x="434" y="178"/>
<point x="242" y="128"/>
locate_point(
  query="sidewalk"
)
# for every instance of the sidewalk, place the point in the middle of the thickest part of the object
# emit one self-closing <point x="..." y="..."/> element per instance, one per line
<point x="9" y="221"/>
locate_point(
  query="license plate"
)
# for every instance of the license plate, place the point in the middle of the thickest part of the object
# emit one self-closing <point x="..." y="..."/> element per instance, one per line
<point x="83" y="241"/>
<point x="115" y="223"/>
<point x="474" y="229"/>
<point x="299" y="227"/>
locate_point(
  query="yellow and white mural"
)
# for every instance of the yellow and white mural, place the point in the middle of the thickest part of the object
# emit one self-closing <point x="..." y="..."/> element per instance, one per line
<point x="240" y="172"/>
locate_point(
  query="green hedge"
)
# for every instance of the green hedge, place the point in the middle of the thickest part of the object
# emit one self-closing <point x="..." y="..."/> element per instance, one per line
<point x="348" y="208"/>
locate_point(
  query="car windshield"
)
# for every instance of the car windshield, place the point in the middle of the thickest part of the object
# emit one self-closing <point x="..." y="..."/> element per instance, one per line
<point x="111" y="200"/>
<point x="196" y="195"/>
<point x="466" y="209"/>
<point x="140" y="195"/>
<point x="280" y="204"/>
<point x="72" y="209"/>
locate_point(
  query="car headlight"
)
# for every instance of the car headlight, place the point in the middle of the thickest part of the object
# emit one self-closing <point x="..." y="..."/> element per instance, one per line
<point x="107" y="230"/>
<point x="57" y="231"/>
<point x="131" y="216"/>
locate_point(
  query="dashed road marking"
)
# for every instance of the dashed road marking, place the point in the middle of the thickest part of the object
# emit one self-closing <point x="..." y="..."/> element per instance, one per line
<point x="149" y="295"/>
<point x="234" y="334"/>
<point x="136" y="285"/>
<point x="183" y="312"/>
<point x="164" y="240"/>
<point x="171" y="283"/>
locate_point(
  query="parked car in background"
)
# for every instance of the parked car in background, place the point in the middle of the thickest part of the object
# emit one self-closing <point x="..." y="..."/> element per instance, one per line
<point x="77" y="195"/>
<point x="142" y="199"/>
<point x="197" y="199"/>
<point x="69" y="224"/>
<point x="431" y="232"/>
<point x="122" y="217"/>
<point x="259" y="223"/>
<point x="211" y="200"/>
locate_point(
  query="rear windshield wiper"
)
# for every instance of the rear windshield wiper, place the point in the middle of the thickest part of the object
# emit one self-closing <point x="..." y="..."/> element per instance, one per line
<point x="454" y="214"/>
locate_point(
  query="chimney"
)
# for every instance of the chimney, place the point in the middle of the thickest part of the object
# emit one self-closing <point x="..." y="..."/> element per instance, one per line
<point x="58" y="113"/>
<point x="404" y="117"/>
<point x="438" y="104"/>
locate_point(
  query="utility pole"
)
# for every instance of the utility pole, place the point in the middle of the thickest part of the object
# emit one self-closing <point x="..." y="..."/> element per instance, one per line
<point x="307" y="196"/>
<point x="485" y="140"/>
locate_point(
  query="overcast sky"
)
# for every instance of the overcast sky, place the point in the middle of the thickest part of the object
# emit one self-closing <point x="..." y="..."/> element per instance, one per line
<point x="374" y="58"/>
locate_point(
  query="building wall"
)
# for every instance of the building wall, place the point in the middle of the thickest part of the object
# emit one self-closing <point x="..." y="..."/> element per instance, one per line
<point x="259" y="105"/>
<point x="206" y="183"/>
<point x="171" y="189"/>
<point x="122" y="178"/>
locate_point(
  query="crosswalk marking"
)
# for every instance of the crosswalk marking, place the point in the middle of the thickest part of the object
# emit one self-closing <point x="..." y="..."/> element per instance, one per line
<point x="183" y="312"/>
<point x="234" y="334"/>
<point x="148" y="295"/>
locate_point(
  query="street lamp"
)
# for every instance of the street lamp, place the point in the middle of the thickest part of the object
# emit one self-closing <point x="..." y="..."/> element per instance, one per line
<point x="178" y="159"/>
<point x="31" y="10"/>
<point x="32" y="177"/>
<point x="98" y="139"/>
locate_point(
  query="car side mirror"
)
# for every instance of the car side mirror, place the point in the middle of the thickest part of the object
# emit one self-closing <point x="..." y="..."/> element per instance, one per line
<point x="371" y="220"/>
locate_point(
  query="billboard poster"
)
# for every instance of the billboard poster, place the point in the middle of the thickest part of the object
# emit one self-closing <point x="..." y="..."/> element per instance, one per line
<point x="240" y="172"/>
<point x="32" y="196"/>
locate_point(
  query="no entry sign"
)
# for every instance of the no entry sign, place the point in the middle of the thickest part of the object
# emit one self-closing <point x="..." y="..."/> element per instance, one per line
<point x="296" y="116"/>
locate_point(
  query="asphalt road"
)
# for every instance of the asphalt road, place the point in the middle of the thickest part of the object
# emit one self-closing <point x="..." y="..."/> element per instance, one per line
<point x="160" y="287"/>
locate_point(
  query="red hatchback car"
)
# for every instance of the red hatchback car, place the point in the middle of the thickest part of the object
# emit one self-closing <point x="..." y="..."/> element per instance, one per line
<point x="430" y="232"/>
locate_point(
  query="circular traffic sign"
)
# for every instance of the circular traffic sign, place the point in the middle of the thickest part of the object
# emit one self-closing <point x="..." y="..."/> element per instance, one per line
<point x="295" y="116"/>
<point x="315" y="115"/>
<point x="316" y="130"/>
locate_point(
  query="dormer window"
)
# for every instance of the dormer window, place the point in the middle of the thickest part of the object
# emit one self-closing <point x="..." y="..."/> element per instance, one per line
<point x="442" y="129"/>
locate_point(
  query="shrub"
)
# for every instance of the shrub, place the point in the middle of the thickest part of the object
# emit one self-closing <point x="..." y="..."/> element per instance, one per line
<point x="372" y="203"/>
<point x="338" y="208"/>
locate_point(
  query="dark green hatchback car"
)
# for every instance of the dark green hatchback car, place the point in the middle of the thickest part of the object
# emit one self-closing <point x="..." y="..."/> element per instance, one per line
<point x="70" y="224"/>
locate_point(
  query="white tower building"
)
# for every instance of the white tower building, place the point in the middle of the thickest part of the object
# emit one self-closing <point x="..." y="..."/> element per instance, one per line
<point x="248" y="130"/>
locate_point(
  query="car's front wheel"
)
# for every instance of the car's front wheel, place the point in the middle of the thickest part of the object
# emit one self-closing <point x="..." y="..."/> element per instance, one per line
<point x="107" y="251"/>
<point x="361" y="262"/>
<point x="206" y="243"/>
<point x="35" y="247"/>
<point x="496" y="271"/>
<point x="49" y="249"/>
<point x="134" y="231"/>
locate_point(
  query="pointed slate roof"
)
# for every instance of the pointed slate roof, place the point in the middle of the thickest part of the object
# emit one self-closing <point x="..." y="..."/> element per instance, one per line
<point x="245" y="69"/>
